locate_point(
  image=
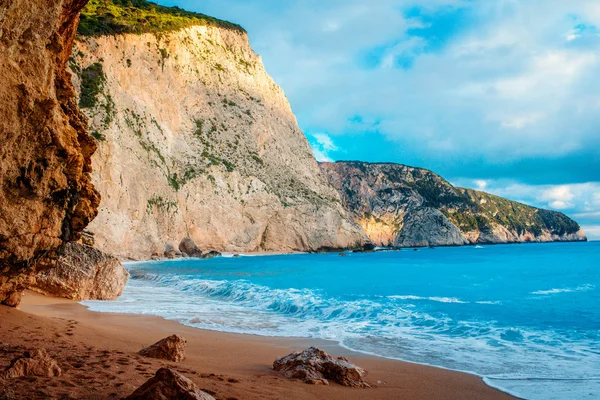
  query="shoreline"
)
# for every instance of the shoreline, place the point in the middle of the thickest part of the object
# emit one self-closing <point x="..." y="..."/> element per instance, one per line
<point x="243" y="358"/>
<point x="380" y="249"/>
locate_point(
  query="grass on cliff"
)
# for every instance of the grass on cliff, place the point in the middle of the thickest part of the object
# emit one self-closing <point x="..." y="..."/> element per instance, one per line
<point x="110" y="17"/>
<point x="92" y="83"/>
<point x="511" y="214"/>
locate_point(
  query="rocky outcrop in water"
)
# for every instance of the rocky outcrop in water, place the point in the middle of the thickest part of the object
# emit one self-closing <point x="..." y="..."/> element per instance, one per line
<point x="46" y="195"/>
<point x="79" y="272"/>
<point x="189" y="247"/>
<point x="403" y="206"/>
<point x="316" y="367"/>
<point x="196" y="140"/>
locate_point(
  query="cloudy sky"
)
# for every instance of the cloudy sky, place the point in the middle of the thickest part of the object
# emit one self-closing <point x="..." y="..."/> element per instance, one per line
<point x="499" y="95"/>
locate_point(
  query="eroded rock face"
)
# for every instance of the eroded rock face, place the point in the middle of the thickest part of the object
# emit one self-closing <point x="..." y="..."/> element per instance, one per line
<point x="428" y="227"/>
<point x="316" y="367"/>
<point x="169" y="384"/>
<point x="196" y="140"/>
<point x="171" y="348"/>
<point x="46" y="195"/>
<point x="80" y="272"/>
<point x="35" y="363"/>
<point x="403" y="206"/>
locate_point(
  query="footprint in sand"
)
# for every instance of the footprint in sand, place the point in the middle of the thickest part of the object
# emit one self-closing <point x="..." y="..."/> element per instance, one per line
<point x="123" y="361"/>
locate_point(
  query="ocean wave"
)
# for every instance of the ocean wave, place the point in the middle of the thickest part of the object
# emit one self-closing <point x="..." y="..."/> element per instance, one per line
<point x="438" y="299"/>
<point x="299" y="303"/>
<point x="582" y="288"/>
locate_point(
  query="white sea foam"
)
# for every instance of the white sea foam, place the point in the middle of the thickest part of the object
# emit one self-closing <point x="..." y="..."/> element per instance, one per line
<point x="582" y="288"/>
<point x="438" y="299"/>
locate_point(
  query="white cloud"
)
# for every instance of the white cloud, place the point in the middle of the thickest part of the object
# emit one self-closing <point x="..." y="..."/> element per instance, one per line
<point x="559" y="205"/>
<point x="480" y="184"/>
<point x="324" y="141"/>
<point x="320" y="155"/>
<point x="592" y="231"/>
<point x="322" y="145"/>
<point x="558" y="197"/>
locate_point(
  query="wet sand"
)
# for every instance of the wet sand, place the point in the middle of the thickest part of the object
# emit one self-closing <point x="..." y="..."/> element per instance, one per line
<point x="98" y="355"/>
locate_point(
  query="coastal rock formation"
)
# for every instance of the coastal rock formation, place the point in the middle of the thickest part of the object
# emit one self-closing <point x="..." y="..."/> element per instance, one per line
<point x="80" y="272"/>
<point x="314" y="366"/>
<point x="428" y="227"/>
<point x="46" y="195"/>
<point x="403" y="206"/>
<point x="196" y="140"/>
<point x="189" y="247"/>
<point x="171" y="348"/>
<point x="169" y="384"/>
<point x="35" y="363"/>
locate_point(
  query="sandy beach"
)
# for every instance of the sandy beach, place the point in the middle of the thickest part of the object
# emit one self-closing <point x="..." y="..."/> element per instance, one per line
<point x="98" y="356"/>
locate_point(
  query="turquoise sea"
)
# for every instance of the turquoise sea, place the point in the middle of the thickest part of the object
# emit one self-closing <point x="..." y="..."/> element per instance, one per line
<point x="524" y="317"/>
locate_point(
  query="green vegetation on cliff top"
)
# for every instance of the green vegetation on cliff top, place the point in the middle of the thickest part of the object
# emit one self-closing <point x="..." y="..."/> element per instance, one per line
<point x="518" y="217"/>
<point x="110" y="17"/>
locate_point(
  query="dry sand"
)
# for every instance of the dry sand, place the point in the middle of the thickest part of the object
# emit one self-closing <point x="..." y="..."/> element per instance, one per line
<point x="98" y="355"/>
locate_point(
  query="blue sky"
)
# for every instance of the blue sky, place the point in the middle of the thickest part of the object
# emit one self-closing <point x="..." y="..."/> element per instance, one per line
<point x="499" y="95"/>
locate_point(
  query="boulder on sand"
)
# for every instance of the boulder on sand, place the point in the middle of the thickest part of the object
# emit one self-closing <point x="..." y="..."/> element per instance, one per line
<point x="80" y="272"/>
<point x="34" y="363"/>
<point x="171" y="348"/>
<point x="314" y="366"/>
<point x="168" y="384"/>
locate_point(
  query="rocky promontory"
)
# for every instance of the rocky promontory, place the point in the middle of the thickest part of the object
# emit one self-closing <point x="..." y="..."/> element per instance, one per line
<point x="403" y="206"/>
<point x="46" y="195"/>
<point x="196" y="140"/>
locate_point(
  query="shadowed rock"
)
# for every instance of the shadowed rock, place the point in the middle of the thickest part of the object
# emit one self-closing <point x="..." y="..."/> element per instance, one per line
<point x="35" y="363"/>
<point x="168" y="384"/>
<point x="316" y="367"/>
<point x="211" y="254"/>
<point x="46" y="194"/>
<point x="80" y="272"/>
<point x="189" y="247"/>
<point x="171" y="348"/>
<point x="170" y="252"/>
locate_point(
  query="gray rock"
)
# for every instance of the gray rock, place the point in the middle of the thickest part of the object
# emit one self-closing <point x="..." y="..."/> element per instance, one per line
<point x="316" y="367"/>
<point x="428" y="227"/>
<point x="79" y="272"/>
<point x="189" y="247"/>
